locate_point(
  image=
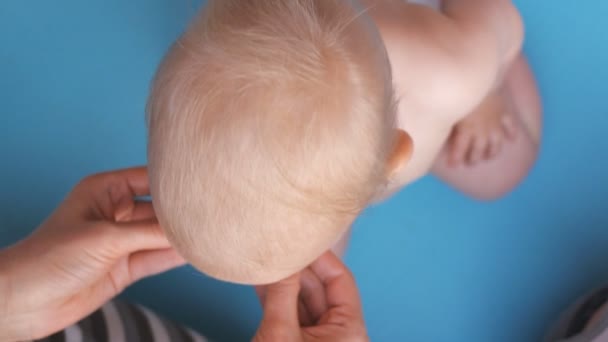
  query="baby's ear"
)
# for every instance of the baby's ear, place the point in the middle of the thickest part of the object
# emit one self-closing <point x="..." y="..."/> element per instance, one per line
<point x="402" y="152"/>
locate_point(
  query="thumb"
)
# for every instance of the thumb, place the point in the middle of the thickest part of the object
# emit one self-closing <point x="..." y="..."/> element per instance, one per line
<point x="280" y="305"/>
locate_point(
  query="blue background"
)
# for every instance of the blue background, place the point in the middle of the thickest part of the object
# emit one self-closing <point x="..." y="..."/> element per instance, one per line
<point x="432" y="265"/>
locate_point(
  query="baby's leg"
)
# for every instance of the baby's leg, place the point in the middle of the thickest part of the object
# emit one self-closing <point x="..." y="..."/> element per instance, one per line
<point x="495" y="162"/>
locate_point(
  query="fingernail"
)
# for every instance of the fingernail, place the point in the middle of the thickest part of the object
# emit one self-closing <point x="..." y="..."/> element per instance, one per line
<point x="121" y="204"/>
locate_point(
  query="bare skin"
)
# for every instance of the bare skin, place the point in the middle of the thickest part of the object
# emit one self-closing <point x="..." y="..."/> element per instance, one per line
<point x="467" y="96"/>
<point x="492" y="176"/>
<point x="477" y="130"/>
<point x="481" y="134"/>
<point x="459" y="93"/>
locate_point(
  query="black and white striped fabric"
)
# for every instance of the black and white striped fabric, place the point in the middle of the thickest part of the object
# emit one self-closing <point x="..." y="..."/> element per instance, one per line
<point x="121" y="322"/>
<point x="572" y="325"/>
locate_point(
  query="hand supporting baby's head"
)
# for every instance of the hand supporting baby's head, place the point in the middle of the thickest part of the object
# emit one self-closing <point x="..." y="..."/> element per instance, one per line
<point x="270" y="127"/>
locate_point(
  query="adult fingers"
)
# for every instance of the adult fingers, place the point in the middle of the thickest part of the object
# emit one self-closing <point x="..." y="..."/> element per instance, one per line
<point x="281" y="305"/>
<point x="131" y="269"/>
<point x="128" y="185"/>
<point x="132" y="181"/>
<point x="143" y="210"/>
<point x="135" y="211"/>
<point x="340" y="287"/>
<point x="260" y="292"/>
<point x="149" y="263"/>
<point x="312" y="295"/>
<point x="131" y="237"/>
<point x="304" y="316"/>
<point x="110" y="195"/>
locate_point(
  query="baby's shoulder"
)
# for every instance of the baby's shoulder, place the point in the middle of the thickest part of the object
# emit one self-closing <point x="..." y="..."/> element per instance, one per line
<point x="429" y="59"/>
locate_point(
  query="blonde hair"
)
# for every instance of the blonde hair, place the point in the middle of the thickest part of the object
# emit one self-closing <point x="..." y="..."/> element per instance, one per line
<point x="270" y="123"/>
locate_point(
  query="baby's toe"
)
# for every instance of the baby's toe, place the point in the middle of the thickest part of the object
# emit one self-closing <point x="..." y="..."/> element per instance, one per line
<point x="494" y="145"/>
<point x="478" y="149"/>
<point x="509" y="127"/>
<point x="460" y="146"/>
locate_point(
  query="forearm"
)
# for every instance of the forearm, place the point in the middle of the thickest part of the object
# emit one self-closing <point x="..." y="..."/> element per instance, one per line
<point x="488" y="23"/>
<point x="7" y="332"/>
<point x="13" y="326"/>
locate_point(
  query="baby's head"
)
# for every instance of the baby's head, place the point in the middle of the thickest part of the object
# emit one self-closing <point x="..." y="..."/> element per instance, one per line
<point x="271" y="126"/>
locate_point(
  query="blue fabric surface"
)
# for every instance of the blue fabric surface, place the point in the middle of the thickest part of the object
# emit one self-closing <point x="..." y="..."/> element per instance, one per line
<point x="432" y="265"/>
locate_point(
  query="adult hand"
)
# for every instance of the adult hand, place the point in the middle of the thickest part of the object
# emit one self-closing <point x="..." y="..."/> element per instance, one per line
<point x="319" y="304"/>
<point x="99" y="241"/>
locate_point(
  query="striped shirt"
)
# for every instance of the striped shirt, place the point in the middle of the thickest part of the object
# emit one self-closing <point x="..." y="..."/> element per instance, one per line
<point x="120" y="322"/>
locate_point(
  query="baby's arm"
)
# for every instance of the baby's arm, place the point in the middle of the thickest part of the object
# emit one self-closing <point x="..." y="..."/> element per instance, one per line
<point x="465" y="49"/>
<point x="444" y="64"/>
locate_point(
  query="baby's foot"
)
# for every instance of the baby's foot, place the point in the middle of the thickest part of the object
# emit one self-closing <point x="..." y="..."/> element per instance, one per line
<point x="481" y="135"/>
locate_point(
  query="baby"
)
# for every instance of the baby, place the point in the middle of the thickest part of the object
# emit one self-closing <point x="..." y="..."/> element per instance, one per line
<point x="274" y="123"/>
